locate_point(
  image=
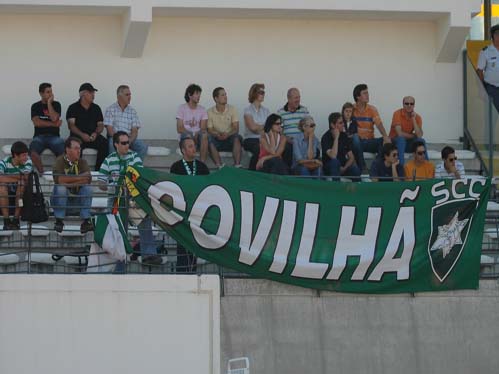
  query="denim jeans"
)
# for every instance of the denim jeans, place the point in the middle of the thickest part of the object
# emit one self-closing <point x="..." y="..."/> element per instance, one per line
<point x="405" y="146"/>
<point x="52" y="142"/>
<point x="62" y="199"/>
<point x="359" y="146"/>
<point x="137" y="146"/>
<point x="332" y="168"/>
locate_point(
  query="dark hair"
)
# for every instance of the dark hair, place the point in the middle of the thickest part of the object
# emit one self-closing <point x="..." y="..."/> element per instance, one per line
<point x="116" y="136"/>
<point x="417" y="144"/>
<point x="446" y="151"/>
<point x="121" y="88"/>
<point x="388" y="148"/>
<point x="69" y="140"/>
<point x="333" y="118"/>
<point x="347" y="105"/>
<point x="216" y="91"/>
<point x="273" y="118"/>
<point x="358" y="89"/>
<point x="254" y="90"/>
<point x="191" y="90"/>
<point x="18" y="148"/>
<point x="43" y="86"/>
<point x="183" y="140"/>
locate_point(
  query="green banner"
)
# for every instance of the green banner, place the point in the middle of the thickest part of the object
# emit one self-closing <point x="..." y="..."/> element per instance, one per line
<point x="348" y="237"/>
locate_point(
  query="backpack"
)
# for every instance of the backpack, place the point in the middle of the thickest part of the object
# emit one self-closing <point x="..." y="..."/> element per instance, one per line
<point x="34" y="208"/>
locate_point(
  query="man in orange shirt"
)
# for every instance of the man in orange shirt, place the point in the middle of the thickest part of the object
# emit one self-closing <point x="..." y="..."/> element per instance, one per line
<point x="406" y="128"/>
<point x="419" y="167"/>
<point x="367" y="117"/>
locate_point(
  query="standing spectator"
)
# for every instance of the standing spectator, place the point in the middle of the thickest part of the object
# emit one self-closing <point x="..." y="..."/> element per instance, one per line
<point x="46" y="117"/>
<point x="488" y="66"/>
<point x="223" y="127"/>
<point x="337" y="156"/>
<point x="13" y="177"/>
<point x="350" y="123"/>
<point x="113" y="170"/>
<point x="449" y="167"/>
<point x="255" y="116"/>
<point x="388" y="168"/>
<point x="419" y="167"/>
<point x="406" y="128"/>
<point x="72" y="178"/>
<point x="272" y="145"/>
<point x="121" y="116"/>
<point x="192" y="120"/>
<point x="188" y="165"/>
<point x="85" y="122"/>
<point x="306" y="149"/>
<point x="367" y="117"/>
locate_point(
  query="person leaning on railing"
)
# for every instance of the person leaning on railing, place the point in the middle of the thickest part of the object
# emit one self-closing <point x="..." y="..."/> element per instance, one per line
<point x="449" y="167"/>
<point x="72" y="179"/>
<point x="272" y="146"/>
<point x="13" y="176"/>
<point x="388" y="168"/>
<point x="419" y="167"/>
<point x="306" y="149"/>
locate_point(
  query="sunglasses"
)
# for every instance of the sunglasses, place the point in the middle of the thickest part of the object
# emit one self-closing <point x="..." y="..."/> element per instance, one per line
<point x="261" y="92"/>
<point x="311" y="125"/>
<point x="125" y="143"/>
<point x="452" y="159"/>
<point x="278" y="123"/>
<point x="395" y="154"/>
<point x="408" y="103"/>
<point x="420" y="153"/>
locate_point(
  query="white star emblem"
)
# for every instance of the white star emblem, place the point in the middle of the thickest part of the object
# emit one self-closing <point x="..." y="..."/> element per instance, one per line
<point x="449" y="235"/>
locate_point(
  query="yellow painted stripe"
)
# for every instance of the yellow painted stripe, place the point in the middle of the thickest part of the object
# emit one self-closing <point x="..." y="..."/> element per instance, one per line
<point x="495" y="11"/>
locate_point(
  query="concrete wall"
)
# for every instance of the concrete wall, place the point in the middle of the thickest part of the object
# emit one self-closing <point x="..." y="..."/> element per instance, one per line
<point x="284" y="329"/>
<point x="323" y="57"/>
<point x="109" y="324"/>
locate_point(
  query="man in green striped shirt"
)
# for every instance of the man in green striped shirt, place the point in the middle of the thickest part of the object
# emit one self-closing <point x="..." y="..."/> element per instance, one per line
<point x="113" y="170"/>
<point x="14" y="172"/>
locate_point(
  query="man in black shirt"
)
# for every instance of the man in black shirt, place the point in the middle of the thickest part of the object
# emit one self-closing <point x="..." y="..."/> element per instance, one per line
<point x="86" y="122"/>
<point x="388" y="168"/>
<point x="188" y="165"/>
<point x="337" y="156"/>
<point x="46" y="117"/>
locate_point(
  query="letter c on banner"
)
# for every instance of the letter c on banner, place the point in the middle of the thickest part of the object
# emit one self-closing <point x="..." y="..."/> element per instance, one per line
<point x="157" y="191"/>
<point x="212" y="196"/>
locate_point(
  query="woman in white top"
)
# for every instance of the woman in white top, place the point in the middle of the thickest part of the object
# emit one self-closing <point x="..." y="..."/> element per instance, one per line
<point x="255" y="116"/>
<point x="272" y="145"/>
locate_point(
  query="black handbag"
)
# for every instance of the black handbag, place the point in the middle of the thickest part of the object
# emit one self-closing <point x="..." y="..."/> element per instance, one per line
<point x="34" y="208"/>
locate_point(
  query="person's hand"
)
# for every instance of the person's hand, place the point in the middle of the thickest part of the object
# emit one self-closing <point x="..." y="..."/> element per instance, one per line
<point x="50" y="99"/>
<point x="86" y="138"/>
<point x="452" y="168"/>
<point x="259" y="164"/>
<point x="59" y="123"/>
<point x="386" y="140"/>
<point x="336" y="133"/>
<point x="395" y="163"/>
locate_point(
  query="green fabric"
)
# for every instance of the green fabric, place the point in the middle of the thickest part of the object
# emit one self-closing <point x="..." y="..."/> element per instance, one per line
<point x="349" y="237"/>
<point x="101" y="223"/>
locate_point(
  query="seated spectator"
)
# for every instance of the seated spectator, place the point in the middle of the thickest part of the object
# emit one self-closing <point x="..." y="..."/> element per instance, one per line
<point x="388" y="168"/>
<point x="350" y="123"/>
<point x="192" y="120"/>
<point x="85" y="122"/>
<point x="255" y="116"/>
<point x="72" y="178"/>
<point x="449" y="167"/>
<point x="337" y="156"/>
<point x="406" y="128"/>
<point x="306" y="149"/>
<point x="272" y="145"/>
<point x="121" y="116"/>
<point x="367" y="117"/>
<point x="13" y="177"/>
<point x="113" y="170"/>
<point x="46" y="116"/>
<point x="188" y="165"/>
<point x="419" y="167"/>
<point x="223" y="127"/>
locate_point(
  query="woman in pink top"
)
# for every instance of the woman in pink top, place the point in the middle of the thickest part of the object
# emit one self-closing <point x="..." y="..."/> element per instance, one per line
<point x="272" y="145"/>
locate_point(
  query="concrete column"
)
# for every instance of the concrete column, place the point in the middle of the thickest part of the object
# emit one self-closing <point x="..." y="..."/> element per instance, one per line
<point x="136" y="24"/>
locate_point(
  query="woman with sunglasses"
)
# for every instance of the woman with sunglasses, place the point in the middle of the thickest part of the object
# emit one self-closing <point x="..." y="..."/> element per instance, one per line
<point x="272" y="145"/>
<point x="306" y="149"/>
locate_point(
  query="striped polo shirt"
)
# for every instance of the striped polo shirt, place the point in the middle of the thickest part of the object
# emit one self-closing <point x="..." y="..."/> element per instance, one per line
<point x="366" y="120"/>
<point x="115" y="165"/>
<point x="7" y="167"/>
<point x="291" y="120"/>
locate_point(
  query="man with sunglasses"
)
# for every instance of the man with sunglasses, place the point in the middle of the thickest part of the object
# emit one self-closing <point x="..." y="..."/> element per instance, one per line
<point x="406" y="128"/>
<point x="449" y="167"/>
<point x="113" y="169"/>
<point x="388" y="168"/>
<point x="419" y="167"/>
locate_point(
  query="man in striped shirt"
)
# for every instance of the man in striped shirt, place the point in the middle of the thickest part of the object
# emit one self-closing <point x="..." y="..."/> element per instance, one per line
<point x="292" y="113"/>
<point x="14" y="172"/>
<point x="113" y="170"/>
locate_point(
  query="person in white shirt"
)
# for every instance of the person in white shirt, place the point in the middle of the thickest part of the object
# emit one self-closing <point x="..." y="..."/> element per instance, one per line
<point x="449" y="167"/>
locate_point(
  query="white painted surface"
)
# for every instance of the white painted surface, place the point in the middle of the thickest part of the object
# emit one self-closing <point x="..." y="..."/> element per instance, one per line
<point x="109" y="324"/>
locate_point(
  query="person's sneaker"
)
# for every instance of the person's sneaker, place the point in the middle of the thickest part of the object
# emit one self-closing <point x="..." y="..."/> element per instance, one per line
<point x="15" y="224"/>
<point x="6" y="224"/>
<point x="152" y="260"/>
<point x="86" y="226"/>
<point x="59" y="225"/>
